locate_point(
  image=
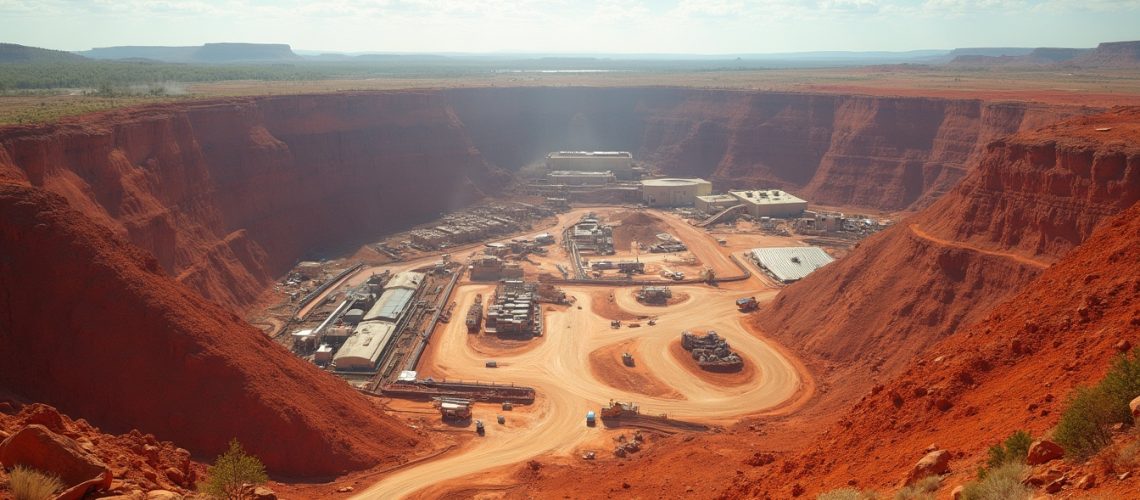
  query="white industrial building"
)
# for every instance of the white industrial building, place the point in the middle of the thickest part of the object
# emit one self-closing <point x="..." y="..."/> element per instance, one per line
<point x="391" y="305"/>
<point x="618" y="162"/>
<point x="714" y="203"/>
<point x="770" y="203"/>
<point x="789" y="264"/>
<point x="671" y="192"/>
<point x="408" y="279"/>
<point x="363" y="349"/>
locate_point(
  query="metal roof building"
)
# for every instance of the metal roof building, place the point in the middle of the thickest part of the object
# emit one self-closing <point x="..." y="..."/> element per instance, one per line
<point x="391" y="305"/>
<point x="770" y="203"/>
<point x="363" y="349"/>
<point x="407" y="279"/>
<point x="789" y="264"/>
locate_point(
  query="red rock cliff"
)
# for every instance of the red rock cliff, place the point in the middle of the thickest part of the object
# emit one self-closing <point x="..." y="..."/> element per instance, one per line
<point x="227" y="194"/>
<point x="1033" y="198"/>
<point x="94" y="326"/>
<point x="878" y="152"/>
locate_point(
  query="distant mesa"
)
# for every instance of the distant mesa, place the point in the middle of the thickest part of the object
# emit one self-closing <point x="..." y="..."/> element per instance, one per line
<point x="208" y="53"/>
<point x="1111" y="55"/>
<point x="13" y="53"/>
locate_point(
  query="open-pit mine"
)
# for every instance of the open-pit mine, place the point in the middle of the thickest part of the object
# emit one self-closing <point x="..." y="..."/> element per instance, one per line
<point x="583" y="292"/>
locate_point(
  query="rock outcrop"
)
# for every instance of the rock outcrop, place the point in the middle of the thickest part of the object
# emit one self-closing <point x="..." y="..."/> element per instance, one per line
<point x="1043" y="451"/>
<point x="38" y="448"/>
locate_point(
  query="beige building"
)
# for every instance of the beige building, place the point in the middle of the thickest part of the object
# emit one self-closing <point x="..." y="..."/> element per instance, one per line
<point x="770" y="203"/>
<point x="671" y="192"/>
<point x="618" y="162"/>
<point x="581" y="178"/>
<point x="714" y="203"/>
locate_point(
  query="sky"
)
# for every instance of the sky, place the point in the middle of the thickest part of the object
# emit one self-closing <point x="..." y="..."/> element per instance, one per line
<point x="574" y="26"/>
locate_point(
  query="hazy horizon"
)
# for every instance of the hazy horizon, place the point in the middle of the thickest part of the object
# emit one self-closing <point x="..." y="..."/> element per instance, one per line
<point x="650" y="27"/>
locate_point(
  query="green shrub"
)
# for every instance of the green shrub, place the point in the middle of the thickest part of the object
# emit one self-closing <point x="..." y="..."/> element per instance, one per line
<point x="847" y="494"/>
<point x="31" y="484"/>
<point x="230" y="471"/>
<point x="923" y="489"/>
<point x="1015" y="448"/>
<point x="1000" y="483"/>
<point x="1085" y="426"/>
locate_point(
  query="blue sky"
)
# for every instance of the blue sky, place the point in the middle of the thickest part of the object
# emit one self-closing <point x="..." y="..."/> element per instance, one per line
<point x="567" y="26"/>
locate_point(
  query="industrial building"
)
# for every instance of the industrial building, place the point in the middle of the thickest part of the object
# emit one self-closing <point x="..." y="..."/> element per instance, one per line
<point x="671" y="192"/>
<point x="788" y="264"/>
<point x="391" y="305"/>
<point x="714" y="203"/>
<point x="407" y="279"/>
<point x="770" y="203"/>
<point x="363" y="349"/>
<point x="581" y="178"/>
<point x="515" y="310"/>
<point x="620" y="163"/>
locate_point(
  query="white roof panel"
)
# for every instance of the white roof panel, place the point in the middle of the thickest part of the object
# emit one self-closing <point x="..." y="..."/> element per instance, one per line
<point x="791" y="263"/>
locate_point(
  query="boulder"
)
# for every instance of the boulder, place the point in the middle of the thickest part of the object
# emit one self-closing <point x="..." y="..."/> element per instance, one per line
<point x="1088" y="481"/>
<point x="162" y="495"/>
<point x="1134" y="405"/>
<point x="37" y="447"/>
<point x="957" y="492"/>
<point x="263" y="493"/>
<point x="935" y="463"/>
<point x="1043" y="451"/>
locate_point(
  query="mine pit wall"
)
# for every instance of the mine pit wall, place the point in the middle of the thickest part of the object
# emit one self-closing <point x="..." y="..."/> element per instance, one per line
<point x="879" y="152"/>
<point x="228" y="194"/>
<point x="1028" y="203"/>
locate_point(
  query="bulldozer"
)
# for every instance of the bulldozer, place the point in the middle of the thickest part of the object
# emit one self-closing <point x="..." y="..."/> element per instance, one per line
<point x="617" y="409"/>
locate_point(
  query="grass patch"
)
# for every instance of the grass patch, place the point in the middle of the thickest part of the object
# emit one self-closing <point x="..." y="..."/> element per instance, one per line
<point x="1001" y="483"/>
<point x="1085" y="427"/>
<point x="31" y="484"/>
<point x="923" y="489"/>
<point x="1015" y="449"/>
<point x="847" y="494"/>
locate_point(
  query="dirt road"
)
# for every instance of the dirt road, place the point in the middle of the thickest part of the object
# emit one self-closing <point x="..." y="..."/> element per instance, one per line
<point x="559" y="370"/>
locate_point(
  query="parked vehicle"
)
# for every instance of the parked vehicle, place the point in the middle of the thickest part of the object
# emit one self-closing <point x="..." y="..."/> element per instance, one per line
<point x="591" y="419"/>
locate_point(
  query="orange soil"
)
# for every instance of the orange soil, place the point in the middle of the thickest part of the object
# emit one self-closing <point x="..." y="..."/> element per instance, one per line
<point x="746" y="375"/>
<point x="635" y="226"/>
<point x="606" y="364"/>
<point x="602" y="304"/>
<point x="492" y="345"/>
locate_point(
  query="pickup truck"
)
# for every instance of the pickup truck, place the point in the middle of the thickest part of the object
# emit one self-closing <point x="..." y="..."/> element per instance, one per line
<point x="591" y="419"/>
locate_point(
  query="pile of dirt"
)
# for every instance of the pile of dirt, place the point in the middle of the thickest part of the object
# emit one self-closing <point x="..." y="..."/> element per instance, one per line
<point x="95" y="328"/>
<point x="630" y="226"/>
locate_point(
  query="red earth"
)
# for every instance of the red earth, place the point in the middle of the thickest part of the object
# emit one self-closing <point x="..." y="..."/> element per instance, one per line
<point x="131" y="238"/>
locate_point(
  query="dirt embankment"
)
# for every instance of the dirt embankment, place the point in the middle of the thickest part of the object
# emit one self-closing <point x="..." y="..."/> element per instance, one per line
<point x="95" y="327"/>
<point x="606" y="364"/>
<point x="1033" y="197"/>
<point x="1012" y="371"/>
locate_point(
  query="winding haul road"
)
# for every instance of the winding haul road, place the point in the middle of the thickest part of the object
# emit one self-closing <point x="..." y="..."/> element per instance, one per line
<point x="559" y="370"/>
